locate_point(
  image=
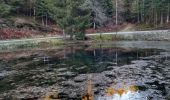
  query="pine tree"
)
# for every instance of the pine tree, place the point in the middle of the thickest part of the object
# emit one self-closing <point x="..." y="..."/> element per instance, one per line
<point x="71" y="17"/>
<point x="107" y="6"/>
<point x="43" y="9"/>
<point x="4" y="9"/>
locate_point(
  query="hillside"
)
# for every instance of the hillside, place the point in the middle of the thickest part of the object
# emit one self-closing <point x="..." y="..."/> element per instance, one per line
<point x="36" y="18"/>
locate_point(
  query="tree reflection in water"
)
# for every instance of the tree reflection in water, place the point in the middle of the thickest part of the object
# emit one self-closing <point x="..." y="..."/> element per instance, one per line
<point x="90" y="94"/>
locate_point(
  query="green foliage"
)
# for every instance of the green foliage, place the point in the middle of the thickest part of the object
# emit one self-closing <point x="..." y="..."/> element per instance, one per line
<point x="75" y="16"/>
<point x="107" y="5"/>
<point x="71" y="18"/>
<point x="17" y="5"/>
<point x="146" y="11"/>
<point x="5" y="10"/>
<point x="43" y="7"/>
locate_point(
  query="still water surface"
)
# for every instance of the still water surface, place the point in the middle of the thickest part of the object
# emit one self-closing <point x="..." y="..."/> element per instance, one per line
<point x="86" y="72"/>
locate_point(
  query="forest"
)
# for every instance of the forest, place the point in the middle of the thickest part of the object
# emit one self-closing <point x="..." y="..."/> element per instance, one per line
<point x="74" y="17"/>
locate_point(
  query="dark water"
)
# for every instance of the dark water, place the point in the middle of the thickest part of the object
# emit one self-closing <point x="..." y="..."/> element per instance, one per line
<point x="77" y="72"/>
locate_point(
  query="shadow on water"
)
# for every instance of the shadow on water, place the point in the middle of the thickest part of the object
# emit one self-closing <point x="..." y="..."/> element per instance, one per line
<point x="85" y="72"/>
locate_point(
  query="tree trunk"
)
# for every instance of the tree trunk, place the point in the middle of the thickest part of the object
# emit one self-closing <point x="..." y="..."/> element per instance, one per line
<point x="64" y="34"/>
<point x="152" y="17"/>
<point x="34" y="13"/>
<point x="46" y="20"/>
<point x="168" y="13"/>
<point x="30" y="8"/>
<point x="143" y="10"/>
<point x="161" y="19"/>
<point x="94" y="53"/>
<point x="156" y="19"/>
<point x="138" y="12"/>
<point x="167" y="18"/>
<point x="94" y="25"/>
<point x="42" y="20"/>
<point x="116" y="13"/>
<point x="116" y="17"/>
<point x="141" y="15"/>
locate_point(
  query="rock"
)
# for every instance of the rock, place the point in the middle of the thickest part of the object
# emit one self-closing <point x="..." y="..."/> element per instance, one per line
<point x="66" y="74"/>
<point x="29" y="98"/>
<point x="6" y="73"/>
<point x="152" y="66"/>
<point x="81" y="68"/>
<point x="140" y="63"/>
<point x="62" y="69"/>
<point x="62" y="95"/>
<point x="54" y="95"/>
<point x="49" y="69"/>
<point x="67" y="84"/>
<point x="109" y="74"/>
<point x="80" y="78"/>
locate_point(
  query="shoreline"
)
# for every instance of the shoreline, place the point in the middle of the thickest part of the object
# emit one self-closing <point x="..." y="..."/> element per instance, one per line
<point x="155" y="35"/>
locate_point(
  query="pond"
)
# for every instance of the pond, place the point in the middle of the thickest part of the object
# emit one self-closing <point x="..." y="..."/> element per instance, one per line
<point x="135" y="70"/>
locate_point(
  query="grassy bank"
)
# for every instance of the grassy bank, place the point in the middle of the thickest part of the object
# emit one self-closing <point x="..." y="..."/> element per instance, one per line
<point x="154" y="35"/>
<point x="30" y="43"/>
<point x="106" y="38"/>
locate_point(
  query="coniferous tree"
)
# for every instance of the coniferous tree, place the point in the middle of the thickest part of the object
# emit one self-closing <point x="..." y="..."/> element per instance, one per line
<point x="43" y="9"/>
<point x="99" y="12"/>
<point x="71" y="17"/>
<point x="4" y="9"/>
